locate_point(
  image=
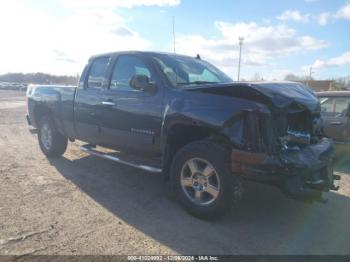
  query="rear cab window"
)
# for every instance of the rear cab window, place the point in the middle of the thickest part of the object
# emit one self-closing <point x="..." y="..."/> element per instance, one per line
<point x="83" y="76"/>
<point x="97" y="72"/>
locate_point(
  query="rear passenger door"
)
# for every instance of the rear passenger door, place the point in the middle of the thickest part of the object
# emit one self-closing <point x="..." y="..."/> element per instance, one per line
<point x="335" y="113"/>
<point x="132" y="118"/>
<point x="87" y="108"/>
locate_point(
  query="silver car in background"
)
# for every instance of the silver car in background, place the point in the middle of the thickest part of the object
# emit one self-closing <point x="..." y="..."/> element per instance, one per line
<point x="335" y="111"/>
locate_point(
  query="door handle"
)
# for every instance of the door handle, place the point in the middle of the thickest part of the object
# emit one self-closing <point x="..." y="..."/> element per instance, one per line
<point x="108" y="103"/>
<point x="336" y="123"/>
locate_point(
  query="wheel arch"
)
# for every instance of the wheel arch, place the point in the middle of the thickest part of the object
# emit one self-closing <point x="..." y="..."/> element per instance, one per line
<point x="41" y="110"/>
<point x="181" y="134"/>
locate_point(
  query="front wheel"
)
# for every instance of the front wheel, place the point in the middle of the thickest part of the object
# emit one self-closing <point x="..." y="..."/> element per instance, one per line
<point x="204" y="183"/>
<point x="52" y="142"/>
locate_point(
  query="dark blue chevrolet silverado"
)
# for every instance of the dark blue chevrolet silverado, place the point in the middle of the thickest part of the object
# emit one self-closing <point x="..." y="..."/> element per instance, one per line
<point x="184" y="118"/>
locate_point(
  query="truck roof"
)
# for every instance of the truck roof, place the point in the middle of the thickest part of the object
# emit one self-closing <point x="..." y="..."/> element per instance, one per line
<point x="138" y="52"/>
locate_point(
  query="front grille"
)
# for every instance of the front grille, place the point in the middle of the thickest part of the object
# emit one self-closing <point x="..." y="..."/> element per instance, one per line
<point x="258" y="134"/>
<point x="267" y="133"/>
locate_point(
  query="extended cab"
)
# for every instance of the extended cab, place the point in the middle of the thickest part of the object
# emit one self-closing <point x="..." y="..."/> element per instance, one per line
<point x="184" y="118"/>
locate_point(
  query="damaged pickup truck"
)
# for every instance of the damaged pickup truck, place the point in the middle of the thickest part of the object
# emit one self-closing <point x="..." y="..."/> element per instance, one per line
<point x="184" y="118"/>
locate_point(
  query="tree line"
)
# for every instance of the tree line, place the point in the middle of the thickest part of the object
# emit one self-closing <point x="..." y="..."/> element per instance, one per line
<point x="38" y="78"/>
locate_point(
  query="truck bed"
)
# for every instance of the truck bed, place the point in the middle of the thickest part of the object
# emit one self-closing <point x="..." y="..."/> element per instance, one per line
<point x="59" y="100"/>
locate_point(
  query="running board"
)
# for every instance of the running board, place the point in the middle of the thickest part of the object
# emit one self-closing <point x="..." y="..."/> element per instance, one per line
<point x="93" y="152"/>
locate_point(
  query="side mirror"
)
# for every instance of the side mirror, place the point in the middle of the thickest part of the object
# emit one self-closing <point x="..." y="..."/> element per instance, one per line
<point x="143" y="83"/>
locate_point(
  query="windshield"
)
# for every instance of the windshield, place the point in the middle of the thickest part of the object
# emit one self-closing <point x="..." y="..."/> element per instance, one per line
<point x="183" y="71"/>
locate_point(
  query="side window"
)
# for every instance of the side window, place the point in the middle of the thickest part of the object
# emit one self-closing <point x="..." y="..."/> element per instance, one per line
<point x="327" y="106"/>
<point x="125" y="68"/>
<point x="341" y="106"/>
<point x="97" y="72"/>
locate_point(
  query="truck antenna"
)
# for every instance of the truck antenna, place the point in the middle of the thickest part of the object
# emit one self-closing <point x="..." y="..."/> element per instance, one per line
<point x="174" y="43"/>
<point x="174" y="38"/>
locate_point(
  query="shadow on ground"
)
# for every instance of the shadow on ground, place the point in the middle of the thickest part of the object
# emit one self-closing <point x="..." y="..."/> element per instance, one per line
<point x="264" y="223"/>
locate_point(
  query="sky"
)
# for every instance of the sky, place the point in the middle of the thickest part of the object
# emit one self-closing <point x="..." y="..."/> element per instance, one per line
<point x="280" y="36"/>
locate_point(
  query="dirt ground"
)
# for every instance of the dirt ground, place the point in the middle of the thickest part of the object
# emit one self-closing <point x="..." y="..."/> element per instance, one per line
<point x="80" y="204"/>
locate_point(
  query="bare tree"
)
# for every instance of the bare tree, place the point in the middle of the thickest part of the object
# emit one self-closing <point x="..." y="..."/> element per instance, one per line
<point x="257" y="77"/>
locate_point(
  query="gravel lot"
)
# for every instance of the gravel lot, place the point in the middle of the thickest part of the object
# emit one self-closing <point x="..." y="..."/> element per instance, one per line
<point x="80" y="204"/>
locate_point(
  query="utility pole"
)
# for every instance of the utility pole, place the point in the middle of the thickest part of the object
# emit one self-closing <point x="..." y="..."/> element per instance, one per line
<point x="310" y="75"/>
<point x="240" y="39"/>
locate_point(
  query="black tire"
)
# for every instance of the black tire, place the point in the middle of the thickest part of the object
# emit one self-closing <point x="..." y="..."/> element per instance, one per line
<point x="228" y="184"/>
<point x="57" y="142"/>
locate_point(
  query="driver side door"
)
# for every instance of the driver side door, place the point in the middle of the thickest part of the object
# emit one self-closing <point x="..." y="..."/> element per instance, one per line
<point x="131" y="118"/>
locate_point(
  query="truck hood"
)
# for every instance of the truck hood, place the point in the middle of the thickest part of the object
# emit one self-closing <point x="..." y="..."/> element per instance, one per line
<point x="277" y="95"/>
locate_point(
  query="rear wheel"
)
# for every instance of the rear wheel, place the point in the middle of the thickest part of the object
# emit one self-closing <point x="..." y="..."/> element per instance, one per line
<point x="51" y="141"/>
<point x="204" y="183"/>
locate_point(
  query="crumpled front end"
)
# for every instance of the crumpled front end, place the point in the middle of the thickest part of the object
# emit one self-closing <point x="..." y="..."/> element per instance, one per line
<point x="308" y="170"/>
<point x="285" y="148"/>
<point x="277" y="137"/>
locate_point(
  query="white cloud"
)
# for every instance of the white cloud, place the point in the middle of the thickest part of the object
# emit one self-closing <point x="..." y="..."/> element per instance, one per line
<point x="294" y="15"/>
<point x="311" y="43"/>
<point x="342" y="13"/>
<point x="324" y="17"/>
<point x="262" y="44"/>
<point x="32" y="40"/>
<point x="343" y="59"/>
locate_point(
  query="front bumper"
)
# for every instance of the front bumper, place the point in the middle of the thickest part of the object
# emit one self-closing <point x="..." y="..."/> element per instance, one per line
<point x="301" y="173"/>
